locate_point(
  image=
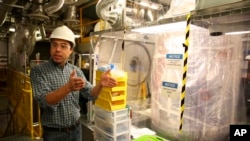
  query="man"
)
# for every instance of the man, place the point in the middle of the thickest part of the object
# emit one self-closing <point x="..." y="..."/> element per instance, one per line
<point x="57" y="86"/>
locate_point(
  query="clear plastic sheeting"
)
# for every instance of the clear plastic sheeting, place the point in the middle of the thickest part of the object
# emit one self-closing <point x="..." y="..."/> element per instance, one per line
<point x="132" y="53"/>
<point x="180" y="8"/>
<point x="213" y="99"/>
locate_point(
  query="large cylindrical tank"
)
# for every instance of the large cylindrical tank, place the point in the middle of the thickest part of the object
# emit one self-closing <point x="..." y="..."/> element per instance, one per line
<point x="213" y="98"/>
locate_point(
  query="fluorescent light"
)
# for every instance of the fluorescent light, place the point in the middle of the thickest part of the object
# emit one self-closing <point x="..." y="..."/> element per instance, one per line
<point x="12" y="29"/>
<point x="237" y="32"/>
<point x="161" y="28"/>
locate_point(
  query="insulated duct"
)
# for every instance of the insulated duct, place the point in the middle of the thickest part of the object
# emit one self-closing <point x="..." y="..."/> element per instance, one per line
<point x="38" y="14"/>
<point x="53" y="6"/>
<point x="37" y="6"/>
<point x="114" y="16"/>
<point x="70" y="2"/>
<point x="25" y="37"/>
<point x="102" y="8"/>
<point x="5" y="9"/>
<point x="71" y="16"/>
<point x="42" y="31"/>
<point x="40" y="9"/>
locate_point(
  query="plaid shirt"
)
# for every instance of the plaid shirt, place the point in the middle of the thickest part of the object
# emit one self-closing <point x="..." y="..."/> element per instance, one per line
<point x="48" y="77"/>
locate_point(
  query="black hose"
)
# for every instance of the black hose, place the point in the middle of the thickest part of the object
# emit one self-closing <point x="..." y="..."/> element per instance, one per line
<point x="150" y="62"/>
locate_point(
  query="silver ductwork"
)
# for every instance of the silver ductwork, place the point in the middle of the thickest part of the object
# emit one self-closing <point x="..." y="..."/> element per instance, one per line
<point x="42" y="31"/>
<point x="102" y="9"/>
<point x="37" y="6"/>
<point x="71" y="18"/>
<point x="4" y="10"/>
<point x="38" y="14"/>
<point x="71" y="13"/>
<point x="111" y="11"/>
<point x="70" y="2"/>
<point x="42" y="10"/>
<point x="25" y="38"/>
<point x="53" y="6"/>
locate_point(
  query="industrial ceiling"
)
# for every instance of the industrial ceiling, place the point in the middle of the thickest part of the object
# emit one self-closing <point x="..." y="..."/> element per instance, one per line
<point x="48" y="13"/>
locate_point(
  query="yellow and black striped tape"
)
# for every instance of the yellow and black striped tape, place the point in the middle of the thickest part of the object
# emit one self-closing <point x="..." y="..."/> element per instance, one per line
<point x="184" y="77"/>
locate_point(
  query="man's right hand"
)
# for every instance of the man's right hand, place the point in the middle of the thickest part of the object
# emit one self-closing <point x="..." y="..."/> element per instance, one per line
<point x="75" y="83"/>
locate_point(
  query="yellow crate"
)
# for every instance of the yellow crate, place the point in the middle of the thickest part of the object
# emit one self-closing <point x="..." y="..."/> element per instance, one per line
<point x="110" y="106"/>
<point x="118" y="79"/>
<point x="121" y="86"/>
<point x="98" y="74"/>
<point x="114" y="89"/>
<point x="113" y="96"/>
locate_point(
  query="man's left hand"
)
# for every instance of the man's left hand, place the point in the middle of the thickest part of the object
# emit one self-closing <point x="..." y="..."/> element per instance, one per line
<point x="107" y="80"/>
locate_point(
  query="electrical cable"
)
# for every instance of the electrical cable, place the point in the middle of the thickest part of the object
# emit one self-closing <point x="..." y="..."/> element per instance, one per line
<point x="113" y="51"/>
<point x="150" y="62"/>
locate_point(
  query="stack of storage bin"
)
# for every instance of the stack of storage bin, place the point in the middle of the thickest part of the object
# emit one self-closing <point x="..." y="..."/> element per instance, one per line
<point x="112" y="125"/>
<point x="112" y="118"/>
<point x="112" y="98"/>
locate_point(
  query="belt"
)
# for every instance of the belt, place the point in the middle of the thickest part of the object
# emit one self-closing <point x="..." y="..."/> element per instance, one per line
<point x="64" y="129"/>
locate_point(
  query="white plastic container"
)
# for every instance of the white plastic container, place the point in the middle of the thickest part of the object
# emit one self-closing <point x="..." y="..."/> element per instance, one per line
<point x="113" y="129"/>
<point x="102" y="136"/>
<point x="112" y="116"/>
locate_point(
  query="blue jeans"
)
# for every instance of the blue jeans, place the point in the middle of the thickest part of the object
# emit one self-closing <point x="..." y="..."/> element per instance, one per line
<point x="73" y="135"/>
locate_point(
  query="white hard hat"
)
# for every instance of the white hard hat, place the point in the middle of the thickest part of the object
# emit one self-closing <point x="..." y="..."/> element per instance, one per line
<point x="63" y="32"/>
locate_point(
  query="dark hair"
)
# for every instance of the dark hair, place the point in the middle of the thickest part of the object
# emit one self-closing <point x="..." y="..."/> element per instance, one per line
<point x="70" y="43"/>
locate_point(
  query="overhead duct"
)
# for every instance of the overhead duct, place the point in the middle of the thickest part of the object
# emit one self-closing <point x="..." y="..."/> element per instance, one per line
<point x="37" y="6"/>
<point x="71" y="19"/>
<point x="53" y="6"/>
<point x="38" y="14"/>
<point x="111" y="11"/>
<point x="4" y="10"/>
<point x="41" y="10"/>
<point x="25" y="38"/>
<point x="102" y="8"/>
<point x="70" y="2"/>
<point x="42" y="31"/>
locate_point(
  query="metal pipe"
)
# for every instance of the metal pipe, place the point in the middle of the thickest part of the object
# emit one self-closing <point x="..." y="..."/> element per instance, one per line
<point x="53" y="6"/>
<point x="13" y="5"/>
<point x="70" y="2"/>
<point x="42" y="31"/>
<point x="5" y="9"/>
<point x="71" y="13"/>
